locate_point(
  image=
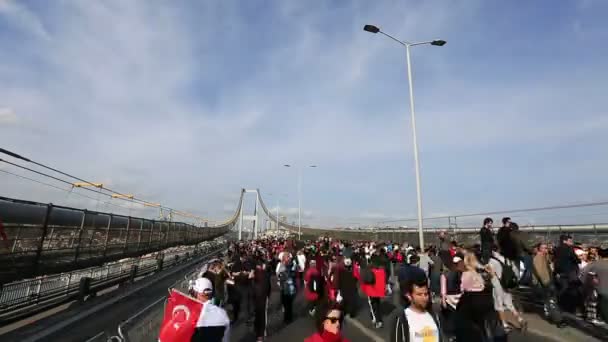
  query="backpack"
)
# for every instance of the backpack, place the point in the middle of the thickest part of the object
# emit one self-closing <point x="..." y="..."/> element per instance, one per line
<point x="508" y="279"/>
<point x="367" y="276"/>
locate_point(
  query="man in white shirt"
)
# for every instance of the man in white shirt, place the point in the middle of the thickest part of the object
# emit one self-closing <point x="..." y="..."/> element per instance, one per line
<point x="213" y="324"/>
<point x="416" y="323"/>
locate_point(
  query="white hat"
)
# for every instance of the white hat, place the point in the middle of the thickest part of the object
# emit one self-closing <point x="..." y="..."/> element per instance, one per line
<point x="202" y="284"/>
<point x="456" y="259"/>
<point x="348" y="261"/>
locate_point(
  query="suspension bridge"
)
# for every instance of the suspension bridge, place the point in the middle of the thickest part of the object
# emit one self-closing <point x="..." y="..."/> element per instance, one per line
<point x="74" y="274"/>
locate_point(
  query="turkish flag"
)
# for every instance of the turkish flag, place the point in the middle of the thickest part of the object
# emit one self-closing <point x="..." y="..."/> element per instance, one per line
<point x="181" y="315"/>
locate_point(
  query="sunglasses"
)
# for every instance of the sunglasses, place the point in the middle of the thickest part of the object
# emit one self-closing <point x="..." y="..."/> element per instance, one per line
<point x="333" y="320"/>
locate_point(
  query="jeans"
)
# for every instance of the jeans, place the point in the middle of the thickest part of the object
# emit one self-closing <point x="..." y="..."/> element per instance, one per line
<point x="287" y="301"/>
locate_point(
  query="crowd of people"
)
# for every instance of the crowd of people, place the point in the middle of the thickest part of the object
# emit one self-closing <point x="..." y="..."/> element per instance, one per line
<point x="448" y="292"/>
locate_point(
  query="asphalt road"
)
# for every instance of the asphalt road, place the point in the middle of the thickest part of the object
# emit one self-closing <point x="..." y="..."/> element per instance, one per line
<point x="304" y="327"/>
<point x="108" y="319"/>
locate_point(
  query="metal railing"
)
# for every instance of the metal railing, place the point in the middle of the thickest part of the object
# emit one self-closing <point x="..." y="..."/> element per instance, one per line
<point x="143" y="326"/>
<point x="45" y="238"/>
<point x="23" y="298"/>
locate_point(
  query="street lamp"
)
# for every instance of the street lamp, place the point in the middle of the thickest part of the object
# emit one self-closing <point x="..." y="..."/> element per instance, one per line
<point x="300" y="198"/>
<point x="407" y="45"/>
<point x="278" y="204"/>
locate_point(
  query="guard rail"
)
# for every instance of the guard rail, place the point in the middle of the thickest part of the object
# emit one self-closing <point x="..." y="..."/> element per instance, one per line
<point x="24" y="298"/>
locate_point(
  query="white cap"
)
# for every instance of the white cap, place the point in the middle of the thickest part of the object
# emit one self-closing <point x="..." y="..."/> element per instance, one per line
<point x="348" y="261"/>
<point x="456" y="259"/>
<point x="202" y="284"/>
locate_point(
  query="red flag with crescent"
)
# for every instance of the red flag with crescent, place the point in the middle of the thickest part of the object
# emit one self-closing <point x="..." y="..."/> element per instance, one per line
<point x="181" y="315"/>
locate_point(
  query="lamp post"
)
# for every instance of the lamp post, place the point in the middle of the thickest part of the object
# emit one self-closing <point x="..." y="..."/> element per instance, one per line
<point x="278" y="204"/>
<point x="407" y="45"/>
<point x="300" y="198"/>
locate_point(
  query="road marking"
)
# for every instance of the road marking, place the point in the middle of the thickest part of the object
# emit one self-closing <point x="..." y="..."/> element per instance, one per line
<point x="365" y="330"/>
<point x="96" y="336"/>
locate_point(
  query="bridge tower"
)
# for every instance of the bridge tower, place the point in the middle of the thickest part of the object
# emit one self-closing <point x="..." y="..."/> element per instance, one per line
<point x="255" y="218"/>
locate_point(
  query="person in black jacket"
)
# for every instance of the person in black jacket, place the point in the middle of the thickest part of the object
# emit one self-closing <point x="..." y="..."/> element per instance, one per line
<point x="261" y="293"/>
<point x="487" y="240"/>
<point x="566" y="273"/>
<point x="417" y="322"/>
<point x="347" y="286"/>
<point x="505" y="242"/>
<point x="242" y="271"/>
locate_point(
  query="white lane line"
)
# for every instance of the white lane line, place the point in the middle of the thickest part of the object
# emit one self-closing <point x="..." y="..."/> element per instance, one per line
<point x="365" y="330"/>
<point x="96" y="336"/>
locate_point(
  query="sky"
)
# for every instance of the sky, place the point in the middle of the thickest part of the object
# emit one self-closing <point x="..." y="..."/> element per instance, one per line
<point x="186" y="102"/>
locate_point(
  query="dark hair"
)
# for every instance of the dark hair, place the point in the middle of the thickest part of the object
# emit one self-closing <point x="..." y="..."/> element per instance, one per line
<point x="323" y="310"/>
<point x="505" y="220"/>
<point x="565" y="237"/>
<point x="414" y="259"/>
<point x="487" y="220"/>
<point x="419" y="281"/>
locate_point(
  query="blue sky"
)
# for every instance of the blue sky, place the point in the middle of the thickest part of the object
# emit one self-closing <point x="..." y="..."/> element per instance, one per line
<point x="186" y="102"/>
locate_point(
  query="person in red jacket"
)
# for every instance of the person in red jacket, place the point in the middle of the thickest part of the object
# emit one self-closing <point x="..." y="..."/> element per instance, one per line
<point x="329" y="320"/>
<point x="375" y="292"/>
<point x="313" y="288"/>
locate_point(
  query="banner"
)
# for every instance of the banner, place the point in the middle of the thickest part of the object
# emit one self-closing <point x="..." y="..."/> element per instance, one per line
<point x="181" y="315"/>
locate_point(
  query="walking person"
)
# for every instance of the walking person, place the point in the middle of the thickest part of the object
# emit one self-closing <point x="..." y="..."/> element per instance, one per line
<point x="487" y="240"/>
<point x="261" y="294"/>
<point x="213" y="324"/>
<point x="347" y="289"/>
<point x="287" y="284"/>
<point x="475" y="317"/>
<point x="417" y="322"/>
<point x="314" y="289"/>
<point x="301" y="258"/>
<point x="567" y="274"/>
<point x="503" y="282"/>
<point x="328" y="324"/>
<point x="373" y="285"/>
<point x="242" y="271"/>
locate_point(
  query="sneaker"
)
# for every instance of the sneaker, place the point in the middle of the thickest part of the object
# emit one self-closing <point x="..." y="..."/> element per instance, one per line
<point x="524" y="325"/>
<point x="373" y="321"/>
<point x="379" y="325"/>
<point x="311" y="313"/>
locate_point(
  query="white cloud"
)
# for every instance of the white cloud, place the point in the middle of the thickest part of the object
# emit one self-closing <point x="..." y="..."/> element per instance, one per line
<point x="23" y="18"/>
<point x="186" y="105"/>
<point x="7" y="116"/>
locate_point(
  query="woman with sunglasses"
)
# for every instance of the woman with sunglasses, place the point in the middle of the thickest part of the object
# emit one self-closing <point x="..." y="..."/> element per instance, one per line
<point x="329" y="323"/>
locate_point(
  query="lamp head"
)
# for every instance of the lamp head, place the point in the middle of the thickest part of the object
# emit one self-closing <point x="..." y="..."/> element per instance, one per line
<point x="371" y="28"/>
